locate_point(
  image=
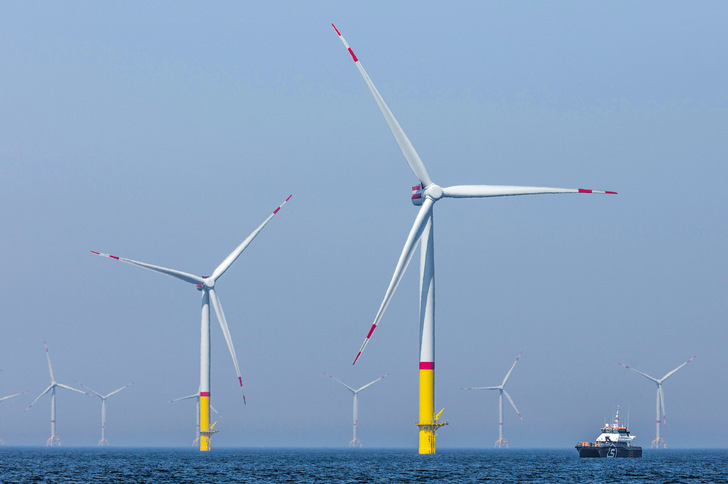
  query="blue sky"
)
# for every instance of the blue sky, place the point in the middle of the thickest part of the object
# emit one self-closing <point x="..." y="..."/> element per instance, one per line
<point x="167" y="132"/>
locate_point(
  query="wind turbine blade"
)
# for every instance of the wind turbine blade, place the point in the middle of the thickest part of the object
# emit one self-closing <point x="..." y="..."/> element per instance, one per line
<point x="220" y="270"/>
<point x="226" y="332"/>
<point x="39" y="396"/>
<point x="10" y="396"/>
<point x="118" y="390"/>
<point x="662" y="405"/>
<point x="643" y="374"/>
<point x="188" y="397"/>
<point x="191" y="278"/>
<point x="71" y="388"/>
<point x="216" y="412"/>
<point x="673" y="371"/>
<point x="513" y="405"/>
<point x="409" y="248"/>
<point x="509" y="371"/>
<point x="341" y="382"/>
<point x="413" y="159"/>
<point x="482" y="388"/>
<point x="91" y="390"/>
<point x="371" y="383"/>
<point x="481" y="191"/>
<point x="48" y="357"/>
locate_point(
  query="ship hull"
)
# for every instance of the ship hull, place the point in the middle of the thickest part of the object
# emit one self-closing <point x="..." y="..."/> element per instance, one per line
<point x="609" y="451"/>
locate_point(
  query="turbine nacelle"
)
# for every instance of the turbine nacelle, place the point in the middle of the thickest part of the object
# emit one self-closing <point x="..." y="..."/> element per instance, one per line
<point x="420" y="193"/>
<point x="208" y="284"/>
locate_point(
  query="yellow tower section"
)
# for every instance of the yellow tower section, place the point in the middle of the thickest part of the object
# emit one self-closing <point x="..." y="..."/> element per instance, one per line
<point x="205" y="431"/>
<point x="429" y="422"/>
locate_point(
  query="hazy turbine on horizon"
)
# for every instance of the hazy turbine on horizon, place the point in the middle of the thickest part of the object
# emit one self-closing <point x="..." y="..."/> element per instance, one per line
<point x="103" y="442"/>
<point x="501" y="442"/>
<point x="425" y="195"/>
<point x="660" y="405"/>
<point x="53" y="441"/>
<point x="196" y="396"/>
<point x="354" y="441"/>
<point x="2" y="399"/>
<point x="206" y="285"/>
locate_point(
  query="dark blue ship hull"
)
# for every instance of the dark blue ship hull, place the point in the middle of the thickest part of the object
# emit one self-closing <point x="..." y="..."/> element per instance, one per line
<point x="609" y="450"/>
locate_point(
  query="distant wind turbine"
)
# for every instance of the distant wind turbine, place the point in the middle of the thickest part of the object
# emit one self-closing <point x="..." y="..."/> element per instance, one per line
<point x="425" y="195"/>
<point x="2" y="442"/>
<point x="53" y="441"/>
<point x="103" y="442"/>
<point x="355" y="442"/>
<point x="206" y="284"/>
<point x="196" y="397"/>
<point x="501" y="442"/>
<point x="660" y="404"/>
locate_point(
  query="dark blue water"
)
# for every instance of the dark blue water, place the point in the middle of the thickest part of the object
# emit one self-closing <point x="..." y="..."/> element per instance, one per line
<point x="354" y="466"/>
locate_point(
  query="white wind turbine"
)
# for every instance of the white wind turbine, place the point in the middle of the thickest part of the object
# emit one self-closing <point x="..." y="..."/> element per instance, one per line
<point x="501" y="442"/>
<point x="103" y="442"/>
<point x="196" y="397"/>
<point x="206" y="284"/>
<point x="660" y="404"/>
<point x="354" y="441"/>
<point x="2" y="442"/>
<point x="53" y="441"/>
<point x="425" y="195"/>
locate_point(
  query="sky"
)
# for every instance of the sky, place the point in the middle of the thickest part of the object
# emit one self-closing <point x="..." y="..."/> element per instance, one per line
<point x="167" y="132"/>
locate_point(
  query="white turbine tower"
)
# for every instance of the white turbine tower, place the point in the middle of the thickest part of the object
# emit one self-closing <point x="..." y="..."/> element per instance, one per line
<point x="354" y="441"/>
<point x="501" y="442"/>
<point x="206" y="284"/>
<point x="103" y="442"/>
<point x="196" y="397"/>
<point x="2" y="442"/>
<point x="53" y="441"/>
<point x="425" y="195"/>
<point x="660" y="404"/>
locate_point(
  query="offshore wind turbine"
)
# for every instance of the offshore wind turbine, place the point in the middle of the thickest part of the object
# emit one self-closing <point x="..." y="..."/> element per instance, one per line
<point x="501" y="442"/>
<point x="354" y="441"/>
<point x="103" y="442"/>
<point x="2" y="399"/>
<point x="206" y="285"/>
<point x="660" y="404"/>
<point x="424" y="195"/>
<point x="196" y="396"/>
<point x="53" y="441"/>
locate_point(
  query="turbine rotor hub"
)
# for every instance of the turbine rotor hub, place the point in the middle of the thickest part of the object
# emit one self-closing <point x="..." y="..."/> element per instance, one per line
<point x="209" y="282"/>
<point x="433" y="192"/>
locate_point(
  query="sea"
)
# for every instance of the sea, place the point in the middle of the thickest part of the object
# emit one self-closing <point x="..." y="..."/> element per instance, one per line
<point x="163" y="465"/>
